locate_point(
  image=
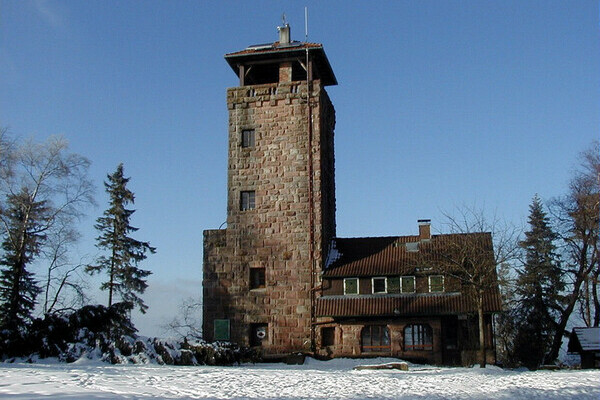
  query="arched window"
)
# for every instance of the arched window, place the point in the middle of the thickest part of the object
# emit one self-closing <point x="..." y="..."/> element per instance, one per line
<point x="418" y="337"/>
<point x="375" y="339"/>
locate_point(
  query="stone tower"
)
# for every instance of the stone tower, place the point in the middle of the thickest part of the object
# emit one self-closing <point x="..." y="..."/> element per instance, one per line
<point x="262" y="272"/>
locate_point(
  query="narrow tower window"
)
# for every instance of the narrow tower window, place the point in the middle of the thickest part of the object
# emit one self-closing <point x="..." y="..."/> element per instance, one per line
<point x="257" y="278"/>
<point x="247" y="138"/>
<point x="247" y="200"/>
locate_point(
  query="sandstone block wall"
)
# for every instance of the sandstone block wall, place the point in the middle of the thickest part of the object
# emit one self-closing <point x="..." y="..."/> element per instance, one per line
<point x="276" y="234"/>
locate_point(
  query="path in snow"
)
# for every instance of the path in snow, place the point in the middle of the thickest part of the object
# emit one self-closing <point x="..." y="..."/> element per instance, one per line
<point x="276" y="381"/>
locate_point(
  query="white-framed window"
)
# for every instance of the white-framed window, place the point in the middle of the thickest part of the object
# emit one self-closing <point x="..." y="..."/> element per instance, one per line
<point x="401" y="284"/>
<point x="350" y="285"/>
<point x="436" y="283"/>
<point x="407" y="284"/>
<point x="379" y="285"/>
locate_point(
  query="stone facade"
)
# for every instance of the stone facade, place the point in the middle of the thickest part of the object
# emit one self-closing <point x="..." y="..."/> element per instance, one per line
<point x="347" y="340"/>
<point x="266" y="282"/>
<point x="289" y="171"/>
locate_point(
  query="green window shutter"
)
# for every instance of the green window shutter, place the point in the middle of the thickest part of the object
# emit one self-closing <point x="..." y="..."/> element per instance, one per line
<point x="408" y="284"/>
<point x="221" y="329"/>
<point x="393" y="284"/>
<point x="351" y="286"/>
<point x="436" y="283"/>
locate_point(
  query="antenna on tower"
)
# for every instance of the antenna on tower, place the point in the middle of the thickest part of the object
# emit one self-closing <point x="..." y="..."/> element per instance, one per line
<point x="283" y="19"/>
<point x="306" y="24"/>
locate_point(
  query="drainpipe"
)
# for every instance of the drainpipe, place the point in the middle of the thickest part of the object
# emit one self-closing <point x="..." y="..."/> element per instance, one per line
<point x="310" y="208"/>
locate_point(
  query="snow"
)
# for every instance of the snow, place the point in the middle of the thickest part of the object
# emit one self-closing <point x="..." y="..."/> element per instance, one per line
<point x="89" y="379"/>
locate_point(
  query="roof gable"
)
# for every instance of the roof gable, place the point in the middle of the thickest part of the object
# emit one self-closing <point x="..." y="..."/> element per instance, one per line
<point x="394" y="255"/>
<point x="588" y="339"/>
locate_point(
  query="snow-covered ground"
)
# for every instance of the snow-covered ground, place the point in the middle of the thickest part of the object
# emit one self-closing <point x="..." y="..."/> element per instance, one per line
<point x="315" y="380"/>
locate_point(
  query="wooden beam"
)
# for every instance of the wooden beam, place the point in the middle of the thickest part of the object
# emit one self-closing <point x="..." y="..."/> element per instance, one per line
<point x="242" y="74"/>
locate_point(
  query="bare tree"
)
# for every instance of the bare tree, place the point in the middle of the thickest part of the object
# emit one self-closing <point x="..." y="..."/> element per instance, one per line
<point x="481" y="243"/>
<point x="7" y="153"/>
<point x="65" y="286"/>
<point x="42" y="186"/>
<point x="576" y="216"/>
<point x="187" y="324"/>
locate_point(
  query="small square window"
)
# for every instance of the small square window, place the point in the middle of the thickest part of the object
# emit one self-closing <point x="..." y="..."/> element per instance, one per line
<point x="408" y="284"/>
<point x="221" y="327"/>
<point x="247" y="138"/>
<point x="257" y="278"/>
<point x="351" y="286"/>
<point x="327" y="336"/>
<point x="436" y="283"/>
<point x="412" y="247"/>
<point x="247" y="200"/>
<point x="393" y="285"/>
<point x="379" y="285"/>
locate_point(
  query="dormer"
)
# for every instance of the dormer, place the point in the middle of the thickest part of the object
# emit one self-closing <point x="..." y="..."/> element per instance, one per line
<point x="283" y="61"/>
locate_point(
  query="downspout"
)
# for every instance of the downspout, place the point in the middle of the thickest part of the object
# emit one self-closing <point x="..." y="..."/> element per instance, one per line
<point x="311" y="227"/>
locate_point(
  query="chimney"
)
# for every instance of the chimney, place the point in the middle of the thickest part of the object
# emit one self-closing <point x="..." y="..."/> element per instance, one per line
<point x="284" y="34"/>
<point x="424" y="229"/>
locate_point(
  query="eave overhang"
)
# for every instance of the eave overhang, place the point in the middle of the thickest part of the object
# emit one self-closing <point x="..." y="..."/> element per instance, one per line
<point x="404" y="305"/>
<point x="278" y="53"/>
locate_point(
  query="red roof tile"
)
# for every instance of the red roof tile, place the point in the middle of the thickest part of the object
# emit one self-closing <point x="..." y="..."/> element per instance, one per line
<point x="403" y="305"/>
<point x="274" y="52"/>
<point x="380" y="256"/>
<point x="275" y="47"/>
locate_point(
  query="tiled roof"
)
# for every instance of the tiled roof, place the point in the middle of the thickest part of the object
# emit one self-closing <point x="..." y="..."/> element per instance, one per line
<point x="274" y="47"/>
<point x="404" y="305"/>
<point x="258" y="54"/>
<point x="589" y="338"/>
<point x="376" y="256"/>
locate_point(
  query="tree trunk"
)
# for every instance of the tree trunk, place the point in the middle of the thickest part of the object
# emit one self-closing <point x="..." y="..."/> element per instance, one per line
<point x="110" y="287"/>
<point x="482" y="355"/>
<point x="595" y="296"/>
<point x="595" y="276"/>
<point x="587" y="303"/>
<point x="564" y="318"/>
<point x="596" y="302"/>
<point x="46" y="294"/>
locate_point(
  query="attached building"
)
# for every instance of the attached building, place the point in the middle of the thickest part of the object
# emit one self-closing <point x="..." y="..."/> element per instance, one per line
<point x="400" y="296"/>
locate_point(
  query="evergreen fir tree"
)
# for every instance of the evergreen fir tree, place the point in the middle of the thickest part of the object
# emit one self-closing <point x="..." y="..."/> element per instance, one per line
<point x="539" y="288"/>
<point x="24" y="219"/>
<point x="124" y="252"/>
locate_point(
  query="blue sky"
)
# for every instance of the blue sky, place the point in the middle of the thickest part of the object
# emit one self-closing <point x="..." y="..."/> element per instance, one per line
<point x="439" y="104"/>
